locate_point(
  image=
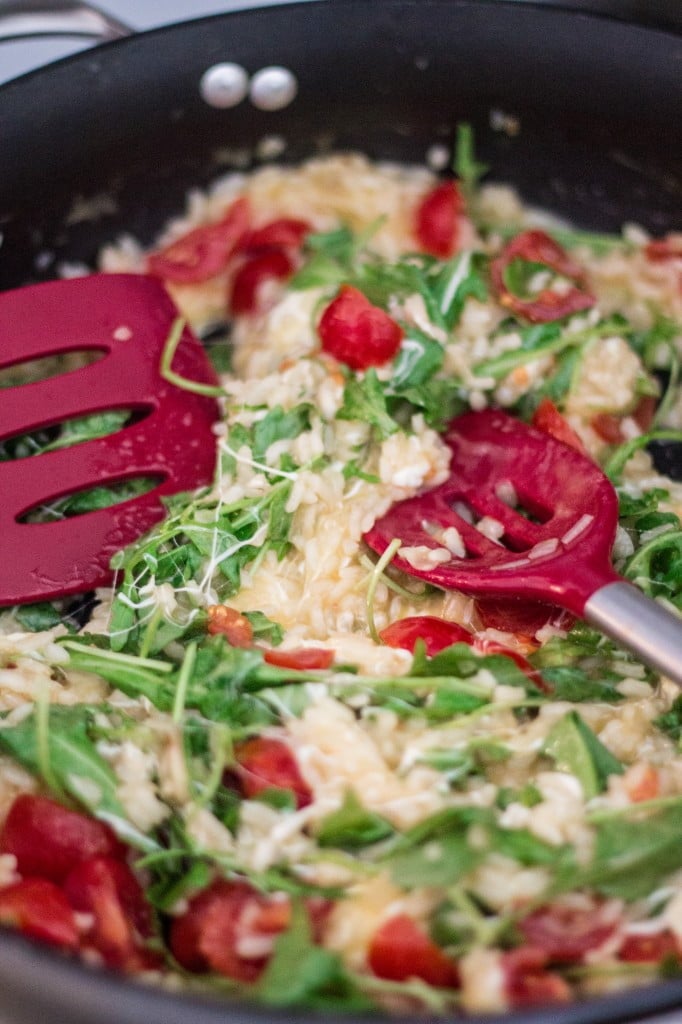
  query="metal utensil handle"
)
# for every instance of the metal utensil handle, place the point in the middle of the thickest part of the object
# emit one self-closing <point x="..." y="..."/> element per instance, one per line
<point x="641" y="625"/>
<point x="21" y="19"/>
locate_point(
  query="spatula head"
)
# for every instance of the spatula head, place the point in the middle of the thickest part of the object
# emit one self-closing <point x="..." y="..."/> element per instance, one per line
<point x="521" y="515"/>
<point x="126" y="318"/>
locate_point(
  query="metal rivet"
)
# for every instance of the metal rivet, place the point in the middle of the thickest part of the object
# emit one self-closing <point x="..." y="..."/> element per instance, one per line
<point x="224" y="85"/>
<point x="273" y="88"/>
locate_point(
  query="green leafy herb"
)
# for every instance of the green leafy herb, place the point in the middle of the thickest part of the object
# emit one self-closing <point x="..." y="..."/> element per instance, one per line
<point x="364" y="399"/>
<point x="352" y="826"/>
<point x="576" y="749"/>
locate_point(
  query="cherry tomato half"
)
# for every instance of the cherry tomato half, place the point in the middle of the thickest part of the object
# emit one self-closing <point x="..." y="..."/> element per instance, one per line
<point x="203" y="252"/>
<point x="357" y="333"/>
<point x="436" y="220"/>
<point x="264" y="763"/>
<point x="38" y="908"/>
<point x="400" y="949"/>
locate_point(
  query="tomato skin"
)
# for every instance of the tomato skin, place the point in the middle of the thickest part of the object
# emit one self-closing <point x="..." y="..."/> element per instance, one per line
<point x="203" y="252"/>
<point x="109" y="891"/>
<point x="357" y="333"/>
<point x="48" y="840"/>
<point x="284" y="233"/>
<point x="549" y="420"/>
<point x="230" y="623"/>
<point x="400" y="949"/>
<point x="264" y="763"/>
<point x="649" y="949"/>
<point x="267" y="265"/>
<point x="207" y="936"/>
<point x="39" y="909"/>
<point x="303" y="659"/>
<point x="565" y="934"/>
<point x="538" y="247"/>
<point x="436" y="633"/>
<point x="436" y="220"/>
<point x="528" y="982"/>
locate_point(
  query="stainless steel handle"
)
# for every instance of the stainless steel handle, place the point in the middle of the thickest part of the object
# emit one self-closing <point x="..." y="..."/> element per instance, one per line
<point x="20" y="19"/>
<point x="641" y="625"/>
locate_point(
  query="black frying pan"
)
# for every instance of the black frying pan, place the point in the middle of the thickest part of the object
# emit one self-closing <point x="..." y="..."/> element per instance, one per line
<point x="599" y="104"/>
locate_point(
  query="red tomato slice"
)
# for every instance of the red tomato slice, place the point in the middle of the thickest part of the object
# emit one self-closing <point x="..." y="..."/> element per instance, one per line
<point x="39" y="909"/>
<point x="48" y="840"/>
<point x="436" y="220"/>
<point x="436" y="633"/>
<point x="109" y="891"/>
<point x="523" y="618"/>
<point x="400" y="949"/>
<point x="565" y="934"/>
<point x="285" y="233"/>
<point x="264" y="763"/>
<point x="230" y="623"/>
<point x="357" y="333"/>
<point x="268" y="265"/>
<point x="203" y="252"/>
<point x="303" y="659"/>
<point x="663" y="249"/>
<point x="548" y="305"/>
<point x="549" y="420"/>
<point x="649" y="949"/>
<point x="528" y="983"/>
<point x="229" y="928"/>
<point x="608" y="427"/>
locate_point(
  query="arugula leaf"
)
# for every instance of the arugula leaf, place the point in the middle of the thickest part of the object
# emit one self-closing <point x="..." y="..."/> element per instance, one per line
<point x="75" y="765"/>
<point x="466" y="167"/>
<point x="450" y="284"/>
<point x="419" y="358"/>
<point x="265" y="628"/>
<point x="574" y="685"/>
<point x="278" y="425"/>
<point x="352" y="826"/>
<point x="39" y="616"/>
<point x="671" y="721"/>
<point x="575" y="749"/>
<point x="364" y="399"/>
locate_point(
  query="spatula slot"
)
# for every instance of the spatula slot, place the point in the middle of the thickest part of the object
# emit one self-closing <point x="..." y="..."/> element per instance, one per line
<point x="69" y="433"/>
<point x="31" y="371"/>
<point x="90" y="499"/>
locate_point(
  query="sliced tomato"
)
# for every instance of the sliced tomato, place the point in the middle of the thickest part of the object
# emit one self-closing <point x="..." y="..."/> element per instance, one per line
<point x="523" y="618"/>
<point x="357" y="333"/>
<point x="662" y="249"/>
<point x="608" y="426"/>
<point x="203" y="252"/>
<point x="400" y="949"/>
<point x="264" y="763"/>
<point x="38" y="908"/>
<point x="230" y="623"/>
<point x="48" y="840"/>
<point x="122" y="918"/>
<point x="229" y="928"/>
<point x="268" y="265"/>
<point x="650" y="949"/>
<point x="436" y="633"/>
<point x="436" y="220"/>
<point x="528" y="982"/>
<point x="548" y="305"/>
<point x="566" y="933"/>
<point x="303" y="659"/>
<point x="284" y="233"/>
<point x="549" y="420"/>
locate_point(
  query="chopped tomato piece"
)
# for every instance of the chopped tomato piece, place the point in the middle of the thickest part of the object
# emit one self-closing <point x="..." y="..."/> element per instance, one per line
<point x="264" y="763"/>
<point x="662" y="249"/>
<point x="565" y="933"/>
<point x="528" y="982"/>
<point x="436" y="633"/>
<point x="650" y="949"/>
<point x="486" y="646"/>
<point x="268" y="265"/>
<point x="121" y="917"/>
<point x="203" y="252"/>
<point x="303" y="659"/>
<point x="549" y="420"/>
<point x="547" y="305"/>
<point x="229" y="928"/>
<point x="38" y="908"/>
<point x="436" y="220"/>
<point x="642" y="782"/>
<point x="357" y="333"/>
<point x="608" y="426"/>
<point x="285" y="233"/>
<point x="400" y="950"/>
<point x="228" y="622"/>
<point x="48" y="840"/>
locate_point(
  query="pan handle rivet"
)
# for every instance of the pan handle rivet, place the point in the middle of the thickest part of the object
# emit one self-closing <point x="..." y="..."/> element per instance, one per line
<point x="273" y="88"/>
<point x="224" y="85"/>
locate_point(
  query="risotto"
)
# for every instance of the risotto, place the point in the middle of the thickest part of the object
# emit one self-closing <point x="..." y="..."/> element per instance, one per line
<point x="268" y="764"/>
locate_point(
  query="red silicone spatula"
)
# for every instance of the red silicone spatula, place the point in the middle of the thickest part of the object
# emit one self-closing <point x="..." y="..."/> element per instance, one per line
<point x="126" y="318"/>
<point x="559" y="515"/>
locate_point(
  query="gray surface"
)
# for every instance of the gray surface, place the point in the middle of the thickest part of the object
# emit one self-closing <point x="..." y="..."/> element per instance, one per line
<point x="21" y="56"/>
